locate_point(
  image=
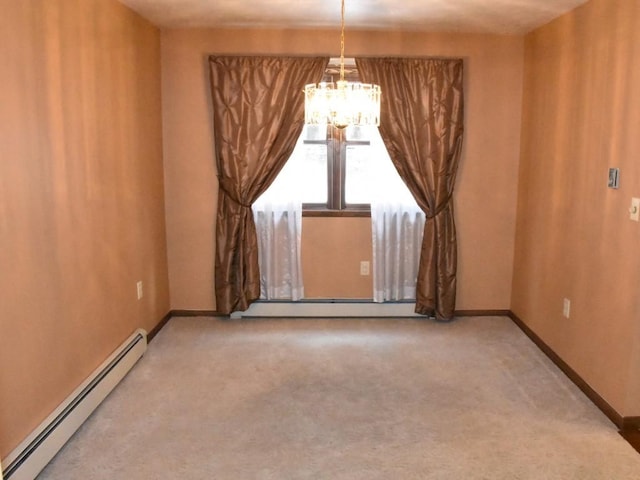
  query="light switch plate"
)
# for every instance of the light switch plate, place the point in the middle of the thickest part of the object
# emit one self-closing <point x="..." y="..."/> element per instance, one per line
<point x="614" y="177"/>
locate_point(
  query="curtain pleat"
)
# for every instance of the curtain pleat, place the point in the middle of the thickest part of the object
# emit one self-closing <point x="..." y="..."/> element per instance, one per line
<point x="279" y="227"/>
<point x="397" y="231"/>
<point x="258" y="114"/>
<point x="421" y="123"/>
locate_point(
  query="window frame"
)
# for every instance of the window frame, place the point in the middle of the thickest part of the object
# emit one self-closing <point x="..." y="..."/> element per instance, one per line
<point x="337" y="144"/>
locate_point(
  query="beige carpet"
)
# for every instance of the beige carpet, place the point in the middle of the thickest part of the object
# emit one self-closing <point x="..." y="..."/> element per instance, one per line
<point x="345" y="399"/>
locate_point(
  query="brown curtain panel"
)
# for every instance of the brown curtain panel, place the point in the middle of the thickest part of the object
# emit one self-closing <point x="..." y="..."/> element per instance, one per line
<point x="258" y="114"/>
<point x="421" y="123"/>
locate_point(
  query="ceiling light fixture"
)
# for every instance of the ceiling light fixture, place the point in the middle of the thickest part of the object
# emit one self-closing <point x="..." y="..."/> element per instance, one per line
<point x="342" y="103"/>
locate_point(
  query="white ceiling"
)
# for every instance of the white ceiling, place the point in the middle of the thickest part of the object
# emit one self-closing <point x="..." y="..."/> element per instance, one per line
<point x="481" y="16"/>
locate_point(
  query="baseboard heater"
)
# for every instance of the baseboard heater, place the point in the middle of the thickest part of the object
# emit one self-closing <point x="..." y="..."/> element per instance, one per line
<point x="33" y="454"/>
<point x="328" y="308"/>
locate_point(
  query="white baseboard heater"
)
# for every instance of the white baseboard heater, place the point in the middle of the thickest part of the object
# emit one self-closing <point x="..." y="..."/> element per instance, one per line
<point x="328" y="308"/>
<point x="32" y="455"/>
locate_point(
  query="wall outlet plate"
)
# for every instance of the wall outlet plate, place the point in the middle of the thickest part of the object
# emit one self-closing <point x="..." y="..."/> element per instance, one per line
<point x="634" y="211"/>
<point x="364" y="267"/>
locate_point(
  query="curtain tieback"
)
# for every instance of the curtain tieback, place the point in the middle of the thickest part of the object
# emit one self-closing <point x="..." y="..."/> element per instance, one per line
<point x="224" y="190"/>
<point x="442" y="206"/>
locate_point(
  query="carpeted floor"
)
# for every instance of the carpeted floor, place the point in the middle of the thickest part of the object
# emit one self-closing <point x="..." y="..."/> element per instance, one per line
<point x="345" y="399"/>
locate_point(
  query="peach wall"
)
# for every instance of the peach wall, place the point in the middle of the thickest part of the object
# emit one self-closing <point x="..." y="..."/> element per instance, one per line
<point x="81" y="197"/>
<point x="333" y="249"/>
<point x="485" y="198"/>
<point x="574" y="237"/>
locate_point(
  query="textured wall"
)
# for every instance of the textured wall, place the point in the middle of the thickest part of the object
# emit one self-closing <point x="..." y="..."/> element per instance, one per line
<point x="485" y="199"/>
<point x="81" y="197"/>
<point x="574" y="237"/>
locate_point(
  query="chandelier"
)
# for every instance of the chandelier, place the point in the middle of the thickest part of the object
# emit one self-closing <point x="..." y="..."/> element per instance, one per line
<point x="342" y="103"/>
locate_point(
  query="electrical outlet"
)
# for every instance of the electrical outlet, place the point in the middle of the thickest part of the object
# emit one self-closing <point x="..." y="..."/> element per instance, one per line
<point x="566" y="307"/>
<point x="634" y="211"/>
<point x="364" y="267"/>
<point x="139" y="288"/>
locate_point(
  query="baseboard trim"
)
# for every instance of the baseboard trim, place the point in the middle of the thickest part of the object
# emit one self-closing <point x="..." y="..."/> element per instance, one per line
<point x="163" y="321"/>
<point x="633" y="437"/>
<point x="195" y="313"/>
<point x="482" y="313"/>
<point x="631" y="424"/>
<point x="620" y="421"/>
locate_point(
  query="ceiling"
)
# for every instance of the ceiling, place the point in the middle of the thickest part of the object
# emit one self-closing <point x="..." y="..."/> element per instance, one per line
<point x="508" y="17"/>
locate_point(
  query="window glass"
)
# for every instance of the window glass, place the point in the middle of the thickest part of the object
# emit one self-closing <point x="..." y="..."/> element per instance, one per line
<point x="311" y="163"/>
<point x="316" y="133"/>
<point x="360" y="164"/>
<point x="357" y="133"/>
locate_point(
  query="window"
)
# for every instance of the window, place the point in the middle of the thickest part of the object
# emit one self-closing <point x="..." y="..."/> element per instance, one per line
<point x="333" y="170"/>
<point x="337" y="180"/>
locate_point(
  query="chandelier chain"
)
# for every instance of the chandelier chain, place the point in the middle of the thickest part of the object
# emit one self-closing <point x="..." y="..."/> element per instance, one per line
<point x="342" y="43"/>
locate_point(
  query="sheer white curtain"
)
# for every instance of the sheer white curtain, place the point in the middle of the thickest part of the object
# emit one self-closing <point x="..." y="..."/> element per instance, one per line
<point x="278" y="217"/>
<point x="397" y="225"/>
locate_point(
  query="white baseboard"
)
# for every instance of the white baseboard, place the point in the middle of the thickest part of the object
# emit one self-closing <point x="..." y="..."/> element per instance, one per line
<point x="333" y="308"/>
